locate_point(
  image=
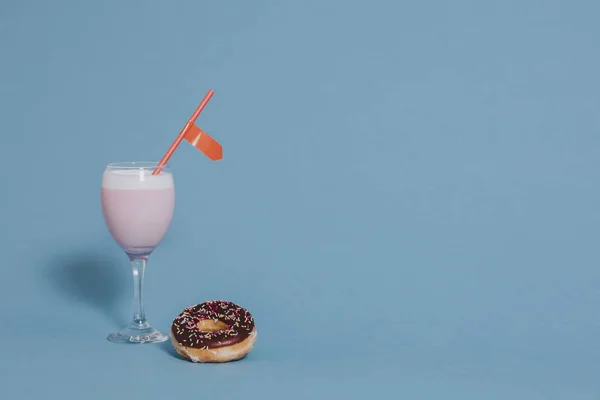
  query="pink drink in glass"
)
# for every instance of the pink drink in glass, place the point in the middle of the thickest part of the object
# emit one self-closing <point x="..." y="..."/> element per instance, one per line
<point x="138" y="208"/>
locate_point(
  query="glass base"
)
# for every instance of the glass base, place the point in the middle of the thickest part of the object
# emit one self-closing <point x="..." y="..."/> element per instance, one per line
<point x="134" y="334"/>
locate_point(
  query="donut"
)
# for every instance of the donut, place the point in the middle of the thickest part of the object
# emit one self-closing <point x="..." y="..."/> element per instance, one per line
<point x="213" y="331"/>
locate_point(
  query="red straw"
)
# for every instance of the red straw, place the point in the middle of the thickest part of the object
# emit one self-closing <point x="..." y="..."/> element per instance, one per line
<point x="181" y="135"/>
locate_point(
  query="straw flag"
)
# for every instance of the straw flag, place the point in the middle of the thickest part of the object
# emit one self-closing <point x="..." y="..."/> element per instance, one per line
<point x="203" y="142"/>
<point x="196" y="136"/>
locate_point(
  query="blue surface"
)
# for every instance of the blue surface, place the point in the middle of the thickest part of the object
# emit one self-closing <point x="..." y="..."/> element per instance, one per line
<point x="409" y="202"/>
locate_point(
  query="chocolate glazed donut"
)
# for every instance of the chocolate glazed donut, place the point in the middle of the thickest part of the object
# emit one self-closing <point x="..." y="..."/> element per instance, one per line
<point x="214" y="331"/>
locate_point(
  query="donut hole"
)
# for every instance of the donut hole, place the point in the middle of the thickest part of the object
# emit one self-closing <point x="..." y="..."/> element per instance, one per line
<point x="210" y="325"/>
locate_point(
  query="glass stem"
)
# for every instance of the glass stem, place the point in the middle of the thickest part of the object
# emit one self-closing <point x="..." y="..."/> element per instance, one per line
<point x="138" y="265"/>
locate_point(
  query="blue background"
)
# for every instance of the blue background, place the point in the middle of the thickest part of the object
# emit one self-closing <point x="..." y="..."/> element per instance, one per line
<point x="408" y="203"/>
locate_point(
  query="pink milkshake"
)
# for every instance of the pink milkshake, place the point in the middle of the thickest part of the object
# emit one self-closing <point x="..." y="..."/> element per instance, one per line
<point x="137" y="207"/>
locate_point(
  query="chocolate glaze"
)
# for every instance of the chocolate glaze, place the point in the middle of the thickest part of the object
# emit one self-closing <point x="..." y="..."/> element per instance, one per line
<point x="186" y="332"/>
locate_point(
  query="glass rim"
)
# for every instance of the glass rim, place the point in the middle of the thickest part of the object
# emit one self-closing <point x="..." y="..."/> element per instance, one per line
<point x="135" y="165"/>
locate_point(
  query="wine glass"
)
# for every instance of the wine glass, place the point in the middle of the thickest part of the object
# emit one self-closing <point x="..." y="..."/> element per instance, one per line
<point x="138" y="208"/>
